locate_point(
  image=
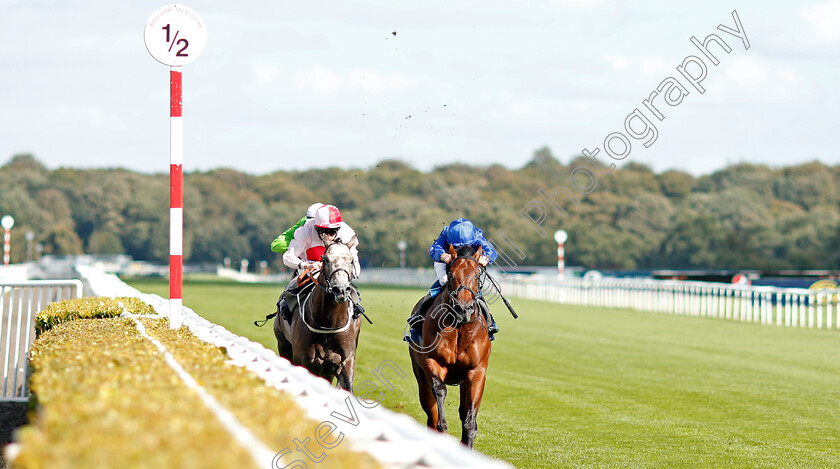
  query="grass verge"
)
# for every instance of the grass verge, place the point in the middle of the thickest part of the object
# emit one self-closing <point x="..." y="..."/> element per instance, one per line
<point x="594" y="387"/>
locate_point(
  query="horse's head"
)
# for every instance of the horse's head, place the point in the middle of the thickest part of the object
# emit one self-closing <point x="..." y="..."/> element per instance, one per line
<point x="336" y="271"/>
<point x="464" y="276"/>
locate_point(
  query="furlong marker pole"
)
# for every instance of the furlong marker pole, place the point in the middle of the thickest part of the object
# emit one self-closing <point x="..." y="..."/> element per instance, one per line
<point x="7" y="222"/>
<point x="175" y="35"/>
<point x="561" y="236"/>
<point x="176" y="196"/>
<point x="6" y="246"/>
<point x="561" y="259"/>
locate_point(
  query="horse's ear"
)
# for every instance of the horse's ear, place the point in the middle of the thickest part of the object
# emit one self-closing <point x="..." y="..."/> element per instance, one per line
<point x="477" y="252"/>
<point x="452" y="251"/>
<point x="354" y="241"/>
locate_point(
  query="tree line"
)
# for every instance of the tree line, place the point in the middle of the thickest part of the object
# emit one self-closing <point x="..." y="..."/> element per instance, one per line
<point x="744" y="216"/>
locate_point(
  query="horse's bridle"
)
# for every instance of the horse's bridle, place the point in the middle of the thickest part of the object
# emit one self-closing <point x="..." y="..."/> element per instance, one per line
<point x="329" y="278"/>
<point x="329" y="286"/>
<point x="328" y="289"/>
<point x="453" y="292"/>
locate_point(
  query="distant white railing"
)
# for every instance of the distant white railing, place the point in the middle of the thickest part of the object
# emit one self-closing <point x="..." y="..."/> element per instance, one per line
<point x="19" y="303"/>
<point x="792" y="307"/>
<point x="400" y="277"/>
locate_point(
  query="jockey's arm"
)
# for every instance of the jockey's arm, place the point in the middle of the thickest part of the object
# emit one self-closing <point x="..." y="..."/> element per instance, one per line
<point x="281" y="243"/>
<point x="357" y="268"/>
<point x="348" y="235"/>
<point x="296" y="255"/>
<point x="487" y="250"/>
<point x="439" y="246"/>
<point x="291" y="259"/>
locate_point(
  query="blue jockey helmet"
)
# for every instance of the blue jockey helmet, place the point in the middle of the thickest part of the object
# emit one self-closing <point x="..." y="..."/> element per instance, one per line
<point x="461" y="232"/>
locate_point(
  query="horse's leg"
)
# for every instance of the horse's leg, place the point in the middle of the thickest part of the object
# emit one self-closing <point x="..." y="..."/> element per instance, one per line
<point x="428" y="402"/>
<point x="436" y="377"/>
<point x="471" y="391"/>
<point x="284" y="347"/>
<point x="345" y="376"/>
<point x="427" y="396"/>
<point x="439" y="389"/>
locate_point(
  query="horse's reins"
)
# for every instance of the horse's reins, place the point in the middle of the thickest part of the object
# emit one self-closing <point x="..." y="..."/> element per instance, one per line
<point x="311" y="274"/>
<point x="329" y="279"/>
<point x="325" y="330"/>
<point x="462" y="287"/>
<point x="302" y="308"/>
<point x="350" y="276"/>
<point x="453" y="294"/>
<point x="480" y="283"/>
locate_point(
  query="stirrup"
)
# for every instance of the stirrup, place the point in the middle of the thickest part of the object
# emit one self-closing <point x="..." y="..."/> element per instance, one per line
<point x="414" y="335"/>
<point x="492" y="328"/>
<point x="415" y="328"/>
<point x="286" y="313"/>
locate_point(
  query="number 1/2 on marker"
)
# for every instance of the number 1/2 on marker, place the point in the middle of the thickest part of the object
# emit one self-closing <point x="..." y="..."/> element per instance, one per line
<point x="182" y="38"/>
<point x="174" y="41"/>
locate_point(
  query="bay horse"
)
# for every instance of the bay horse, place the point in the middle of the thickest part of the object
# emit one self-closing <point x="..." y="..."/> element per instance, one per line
<point x="455" y="348"/>
<point x="323" y="334"/>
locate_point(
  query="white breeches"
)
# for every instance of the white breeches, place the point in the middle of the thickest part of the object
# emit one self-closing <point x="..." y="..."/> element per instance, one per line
<point x="440" y="272"/>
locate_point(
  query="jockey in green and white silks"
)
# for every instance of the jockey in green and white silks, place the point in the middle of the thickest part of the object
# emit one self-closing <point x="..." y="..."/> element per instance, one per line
<point x="281" y="243"/>
<point x="309" y="243"/>
<point x="460" y="232"/>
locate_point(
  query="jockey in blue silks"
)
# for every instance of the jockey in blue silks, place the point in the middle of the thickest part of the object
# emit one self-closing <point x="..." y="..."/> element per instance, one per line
<point x="460" y="232"/>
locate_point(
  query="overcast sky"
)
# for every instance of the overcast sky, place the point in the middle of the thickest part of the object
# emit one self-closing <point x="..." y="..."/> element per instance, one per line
<point x="314" y="84"/>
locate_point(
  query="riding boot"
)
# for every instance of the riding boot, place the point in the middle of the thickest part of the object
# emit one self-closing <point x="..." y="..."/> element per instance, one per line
<point x="283" y="308"/>
<point x="358" y="310"/>
<point x="414" y="333"/>
<point x="492" y="328"/>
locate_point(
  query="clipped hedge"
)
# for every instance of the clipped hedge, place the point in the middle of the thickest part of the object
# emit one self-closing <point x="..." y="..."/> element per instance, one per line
<point x="87" y="308"/>
<point x="107" y="398"/>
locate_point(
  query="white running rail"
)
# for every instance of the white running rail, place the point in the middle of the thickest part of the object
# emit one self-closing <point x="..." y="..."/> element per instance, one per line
<point x="791" y="307"/>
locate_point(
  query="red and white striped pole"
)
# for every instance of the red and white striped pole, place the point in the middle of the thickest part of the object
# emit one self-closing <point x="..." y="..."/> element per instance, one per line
<point x="7" y="238"/>
<point x="561" y="236"/>
<point x="176" y="196"/>
<point x="175" y="35"/>
<point x="7" y="222"/>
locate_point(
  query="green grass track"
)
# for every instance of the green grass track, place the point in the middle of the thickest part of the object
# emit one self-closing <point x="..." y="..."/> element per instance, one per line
<point x="572" y="386"/>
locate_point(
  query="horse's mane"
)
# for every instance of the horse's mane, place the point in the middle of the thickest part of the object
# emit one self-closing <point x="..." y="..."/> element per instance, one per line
<point x="465" y="250"/>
